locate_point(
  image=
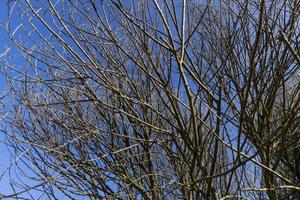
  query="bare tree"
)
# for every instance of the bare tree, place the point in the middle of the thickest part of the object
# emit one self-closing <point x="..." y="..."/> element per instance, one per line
<point x="155" y="99"/>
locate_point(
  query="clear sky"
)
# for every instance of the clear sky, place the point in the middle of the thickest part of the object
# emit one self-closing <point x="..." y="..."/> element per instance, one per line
<point x="4" y="155"/>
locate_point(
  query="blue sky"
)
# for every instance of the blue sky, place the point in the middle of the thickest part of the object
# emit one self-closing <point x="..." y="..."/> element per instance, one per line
<point x="5" y="158"/>
<point x="4" y="153"/>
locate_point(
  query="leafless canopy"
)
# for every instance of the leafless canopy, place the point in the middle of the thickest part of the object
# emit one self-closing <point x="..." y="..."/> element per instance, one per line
<point x="155" y="99"/>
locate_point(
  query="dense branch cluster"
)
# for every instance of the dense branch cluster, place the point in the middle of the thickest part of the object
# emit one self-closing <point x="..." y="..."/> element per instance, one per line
<point x="155" y="99"/>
